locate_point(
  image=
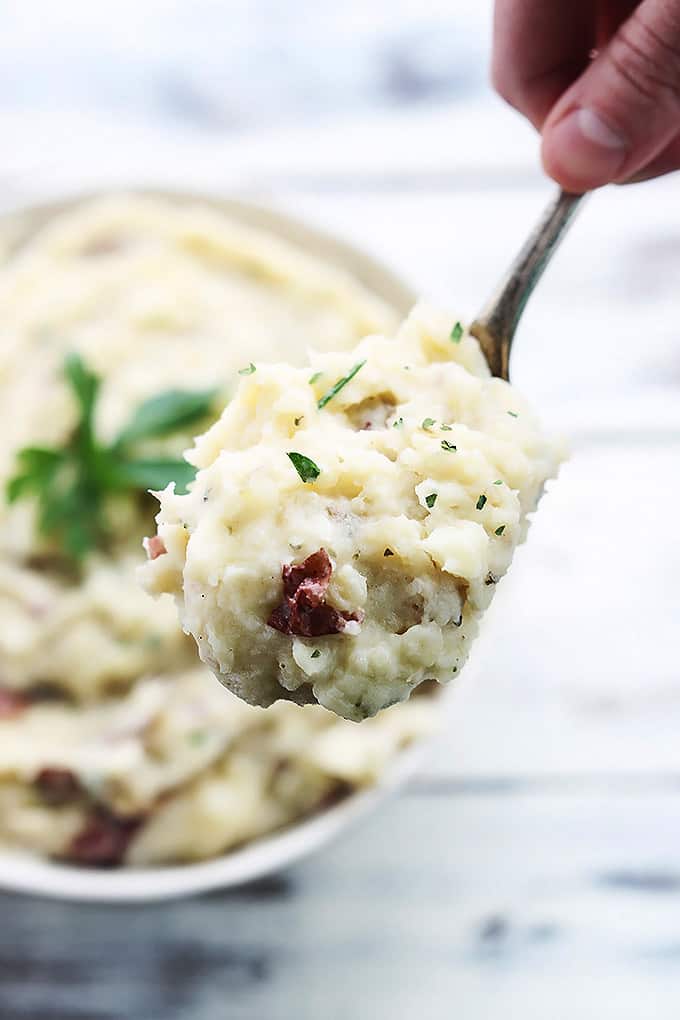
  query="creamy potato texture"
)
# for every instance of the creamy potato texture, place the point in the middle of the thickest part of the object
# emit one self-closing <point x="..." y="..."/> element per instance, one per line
<point x="115" y="746"/>
<point x="178" y="770"/>
<point x="350" y="520"/>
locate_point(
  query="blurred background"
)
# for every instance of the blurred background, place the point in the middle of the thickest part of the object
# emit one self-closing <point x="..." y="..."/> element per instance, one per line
<point x="532" y="868"/>
<point x="239" y="66"/>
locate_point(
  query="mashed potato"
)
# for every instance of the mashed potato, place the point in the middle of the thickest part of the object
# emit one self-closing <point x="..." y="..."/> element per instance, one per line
<point x="179" y="770"/>
<point x="115" y="746"/>
<point x="350" y="520"/>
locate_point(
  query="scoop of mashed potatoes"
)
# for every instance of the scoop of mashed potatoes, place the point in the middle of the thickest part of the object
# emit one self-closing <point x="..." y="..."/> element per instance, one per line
<point x="349" y="521"/>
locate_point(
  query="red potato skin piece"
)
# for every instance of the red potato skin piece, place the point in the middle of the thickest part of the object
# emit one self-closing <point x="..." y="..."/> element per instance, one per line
<point x="57" y="786"/>
<point x="12" y="704"/>
<point x="304" y="612"/>
<point x="155" y="547"/>
<point x="103" y="841"/>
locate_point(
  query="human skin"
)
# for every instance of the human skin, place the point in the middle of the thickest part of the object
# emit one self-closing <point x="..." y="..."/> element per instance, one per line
<point x="600" y="79"/>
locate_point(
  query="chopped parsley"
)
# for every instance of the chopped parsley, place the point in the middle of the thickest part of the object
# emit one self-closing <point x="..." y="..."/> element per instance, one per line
<point x="339" y="385"/>
<point x="499" y="531"/>
<point x="513" y="414"/>
<point x="248" y="370"/>
<point x="431" y="499"/>
<point x="449" y="447"/>
<point x="427" y="424"/>
<point x="398" y="424"/>
<point x="457" y="333"/>
<point x="315" y="378"/>
<point x="316" y="653"/>
<point x="388" y="552"/>
<point x="499" y="481"/>
<point x="481" y="502"/>
<point x="446" y="428"/>
<point x="306" y="468"/>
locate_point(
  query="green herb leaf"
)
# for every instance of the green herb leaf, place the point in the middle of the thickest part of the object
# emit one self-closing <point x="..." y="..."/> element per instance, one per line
<point x="64" y="481"/>
<point x="513" y="414"/>
<point x="168" y="412"/>
<point x="85" y="385"/>
<point x="315" y="654"/>
<point x="431" y="499"/>
<point x="457" y="333"/>
<point x="499" y="481"/>
<point x="72" y="483"/>
<point x="446" y="428"/>
<point x="151" y="473"/>
<point x="339" y="385"/>
<point x="398" y="424"/>
<point x="481" y="502"/>
<point x="449" y="447"/>
<point x="36" y="467"/>
<point x="69" y="507"/>
<point x="74" y="520"/>
<point x="499" y="531"/>
<point x="306" y="468"/>
<point x="315" y="378"/>
<point x="427" y="424"/>
<point x="248" y="370"/>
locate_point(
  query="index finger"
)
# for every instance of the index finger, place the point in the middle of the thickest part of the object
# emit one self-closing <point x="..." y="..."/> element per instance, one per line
<point x="540" y="47"/>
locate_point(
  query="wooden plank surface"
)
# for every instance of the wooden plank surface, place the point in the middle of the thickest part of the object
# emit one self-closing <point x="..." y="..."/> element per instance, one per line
<point x="448" y="903"/>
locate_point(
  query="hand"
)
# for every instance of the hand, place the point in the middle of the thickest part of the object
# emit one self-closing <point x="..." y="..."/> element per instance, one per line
<point x="600" y="79"/>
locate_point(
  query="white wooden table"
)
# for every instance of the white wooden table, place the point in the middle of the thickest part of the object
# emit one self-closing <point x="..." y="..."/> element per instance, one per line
<point x="533" y="869"/>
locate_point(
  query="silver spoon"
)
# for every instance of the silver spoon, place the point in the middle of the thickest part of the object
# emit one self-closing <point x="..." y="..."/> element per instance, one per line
<point x="497" y="323"/>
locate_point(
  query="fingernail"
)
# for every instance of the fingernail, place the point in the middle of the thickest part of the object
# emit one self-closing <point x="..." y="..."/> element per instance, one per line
<point x="583" y="151"/>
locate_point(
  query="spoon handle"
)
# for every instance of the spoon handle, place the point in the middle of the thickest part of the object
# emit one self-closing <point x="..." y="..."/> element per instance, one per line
<point x="495" y="326"/>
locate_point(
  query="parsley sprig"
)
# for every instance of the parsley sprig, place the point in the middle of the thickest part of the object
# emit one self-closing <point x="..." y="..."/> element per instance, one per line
<point x="72" y="483"/>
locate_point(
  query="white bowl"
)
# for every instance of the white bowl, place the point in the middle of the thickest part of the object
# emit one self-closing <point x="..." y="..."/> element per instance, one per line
<point x="27" y="873"/>
<point x="23" y="872"/>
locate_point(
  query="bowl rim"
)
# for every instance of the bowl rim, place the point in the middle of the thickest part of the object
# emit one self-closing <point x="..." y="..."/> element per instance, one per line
<point x="370" y="271"/>
<point x="24" y="872"/>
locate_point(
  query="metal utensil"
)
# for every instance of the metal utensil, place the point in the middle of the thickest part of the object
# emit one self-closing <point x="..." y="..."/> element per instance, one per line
<point x="497" y="323"/>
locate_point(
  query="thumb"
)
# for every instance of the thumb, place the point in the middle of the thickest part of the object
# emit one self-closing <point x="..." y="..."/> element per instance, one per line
<point x="624" y="109"/>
